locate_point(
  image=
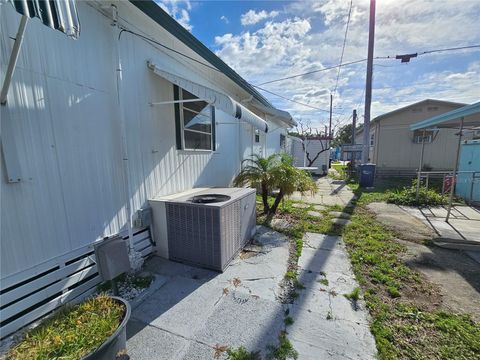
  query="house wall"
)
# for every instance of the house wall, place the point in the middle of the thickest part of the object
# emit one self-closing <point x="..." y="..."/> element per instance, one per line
<point x="313" y="147"/>
<point x="63" y="120"/>
<point x="394" y="148"/>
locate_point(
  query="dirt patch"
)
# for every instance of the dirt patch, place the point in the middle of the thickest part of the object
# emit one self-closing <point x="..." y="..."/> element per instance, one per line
<point x="405" y="226"/>
<point x="456" y="275"/>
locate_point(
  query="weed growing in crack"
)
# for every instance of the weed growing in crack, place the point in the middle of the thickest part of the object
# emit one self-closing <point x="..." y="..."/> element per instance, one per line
<point x="288" y="321"/>
<point x="284" y="350"/>
<point x="242" y="354"/>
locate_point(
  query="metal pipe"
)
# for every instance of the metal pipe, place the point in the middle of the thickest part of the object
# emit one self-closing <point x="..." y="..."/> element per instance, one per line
<point x="123" y="132"/>
<point x="452" y="188"/>
<point x="13" y="59"/>
<point x="420" y="166"/>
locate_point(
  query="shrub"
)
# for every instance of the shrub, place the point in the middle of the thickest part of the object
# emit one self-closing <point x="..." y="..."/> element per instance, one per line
<point x="408" y="196"/>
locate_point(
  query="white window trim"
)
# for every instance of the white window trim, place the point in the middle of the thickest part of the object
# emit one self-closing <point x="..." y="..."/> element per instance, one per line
<point x="183" y="129"/>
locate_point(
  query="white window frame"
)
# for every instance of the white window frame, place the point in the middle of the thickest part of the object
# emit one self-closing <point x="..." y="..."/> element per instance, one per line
<point x="184" y="106"/>
<point x="417" y="138"/>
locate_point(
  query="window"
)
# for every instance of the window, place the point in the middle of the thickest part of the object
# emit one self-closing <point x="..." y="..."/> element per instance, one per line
<point x="418" y="135"/>
<point x="257" y="136"/>
<point x="282" y="141"/>
<point x="372" y="138"/>
<point x="195" y="122"/>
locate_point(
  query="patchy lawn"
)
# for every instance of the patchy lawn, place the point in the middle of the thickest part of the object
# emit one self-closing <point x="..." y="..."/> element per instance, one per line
<point x="408" y="320"/>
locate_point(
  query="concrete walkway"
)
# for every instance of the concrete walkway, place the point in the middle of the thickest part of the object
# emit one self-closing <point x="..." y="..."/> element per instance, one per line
<point x="462" y="230"/>
<point x="330" y="192"/>
<point x="326" y="324"/>
<point x="198" y="312"/>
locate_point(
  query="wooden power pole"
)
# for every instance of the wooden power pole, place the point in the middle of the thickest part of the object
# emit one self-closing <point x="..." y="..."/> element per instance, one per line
<point x="354" y="125"/>
<point x="368" y="85"/>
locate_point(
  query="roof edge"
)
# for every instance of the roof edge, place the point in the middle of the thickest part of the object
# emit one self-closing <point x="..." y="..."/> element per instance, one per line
<point x="151" y="9"/>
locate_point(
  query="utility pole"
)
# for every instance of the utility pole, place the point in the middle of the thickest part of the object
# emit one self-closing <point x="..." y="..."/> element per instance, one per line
<point x="354" y="125"/>
<point x="368" y="86"/>
<point x="330" y="123"/>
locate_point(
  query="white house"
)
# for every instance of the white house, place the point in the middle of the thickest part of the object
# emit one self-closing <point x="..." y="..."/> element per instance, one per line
<point x="311" y="152"/>
<point x="94" y="127"/>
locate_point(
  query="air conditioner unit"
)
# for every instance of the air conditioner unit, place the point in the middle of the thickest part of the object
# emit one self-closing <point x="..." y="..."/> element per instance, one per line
<point x="205" y="227"/>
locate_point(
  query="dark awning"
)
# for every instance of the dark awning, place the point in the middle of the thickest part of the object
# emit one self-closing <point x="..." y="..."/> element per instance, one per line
<point x="57" y="14"/>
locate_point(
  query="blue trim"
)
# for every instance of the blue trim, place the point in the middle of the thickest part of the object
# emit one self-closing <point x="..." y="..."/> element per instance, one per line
<point x="448" y="116"/>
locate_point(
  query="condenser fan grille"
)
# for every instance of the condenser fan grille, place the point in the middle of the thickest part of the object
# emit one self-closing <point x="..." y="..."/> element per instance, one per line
<point x="209" y="198"/>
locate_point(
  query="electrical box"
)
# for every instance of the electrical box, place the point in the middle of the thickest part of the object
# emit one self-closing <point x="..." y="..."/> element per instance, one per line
<point x="112" y="257"/>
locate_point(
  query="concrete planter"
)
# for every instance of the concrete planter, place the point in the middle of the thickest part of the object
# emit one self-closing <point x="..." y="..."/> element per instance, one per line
<point x="116" y="342"/>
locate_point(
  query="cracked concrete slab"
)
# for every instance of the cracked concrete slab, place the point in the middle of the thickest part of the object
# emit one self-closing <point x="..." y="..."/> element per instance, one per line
<point x="334" y="338"/>
<point x="326" y="324"/>
<point x="148" y="342"/>
<point x="197" y="309"/>
<point x="319" y="260"/>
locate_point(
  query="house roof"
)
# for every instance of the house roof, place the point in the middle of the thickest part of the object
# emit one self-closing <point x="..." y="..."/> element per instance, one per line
<point x="423" y="102"/>
<point x="157" y="14"/>
<point x="452" y="118"/>
<point x="433" y="101"/>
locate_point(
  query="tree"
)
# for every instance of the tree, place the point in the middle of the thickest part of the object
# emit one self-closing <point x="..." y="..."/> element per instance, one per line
<point x="305" y="132"/>
<point x="344" y="135"/>
<point x="274" y="172"/>
<point x="257" y="172"/>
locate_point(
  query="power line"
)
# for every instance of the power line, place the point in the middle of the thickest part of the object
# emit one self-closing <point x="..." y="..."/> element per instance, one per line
<point x="292" y="100"/>
<point x="313" y="71"/>
<point x="389" y="57"/>
<point x="343" y="47"/>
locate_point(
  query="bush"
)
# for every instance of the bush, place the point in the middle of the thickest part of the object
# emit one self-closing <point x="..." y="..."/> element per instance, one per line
<point x="408" y="196"/>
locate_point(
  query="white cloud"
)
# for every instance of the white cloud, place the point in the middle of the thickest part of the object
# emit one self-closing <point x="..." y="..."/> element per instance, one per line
<point x="311" y="38"/>
<point x="224" y="19"/>
<point x="179" y="10"/>
<point x="252" y="17"/>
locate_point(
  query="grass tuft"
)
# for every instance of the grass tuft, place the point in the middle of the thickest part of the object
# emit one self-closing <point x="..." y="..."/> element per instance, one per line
<point x="242" y="354"/>
<point x="284" y="350"/>
<point x="73" y="332"/>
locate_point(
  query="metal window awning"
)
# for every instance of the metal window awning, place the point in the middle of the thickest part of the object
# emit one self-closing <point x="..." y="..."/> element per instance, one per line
<point x="216" y="98"/>
<point x="451" y="119"/>
<point x="57" y="14"/>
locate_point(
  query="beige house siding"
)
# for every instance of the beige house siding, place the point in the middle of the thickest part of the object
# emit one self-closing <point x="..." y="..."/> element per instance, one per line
<point x="394" y="146"/>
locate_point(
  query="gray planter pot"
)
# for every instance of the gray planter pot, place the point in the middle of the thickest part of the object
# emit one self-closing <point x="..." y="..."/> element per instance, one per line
<point x="116" y="342"/>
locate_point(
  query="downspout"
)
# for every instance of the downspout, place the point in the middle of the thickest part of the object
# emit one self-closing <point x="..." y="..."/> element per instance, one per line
<point x="123" y="132"/>
<point x="13" y="59"/>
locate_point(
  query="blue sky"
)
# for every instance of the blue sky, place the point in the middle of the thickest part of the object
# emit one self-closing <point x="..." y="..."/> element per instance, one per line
<point x="267" y="40"/>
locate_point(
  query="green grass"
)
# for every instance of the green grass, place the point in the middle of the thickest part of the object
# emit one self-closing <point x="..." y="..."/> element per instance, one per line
<point x="399" y="191"/>
<point x="284" y="350"/>
<point x="242" y="354"/>
<point x="288" y="321"/>
<point x="73" y="332"/>
<point x="323" y="282"/>
<point x="404" y="328"/>
<point x="354" y="295"/>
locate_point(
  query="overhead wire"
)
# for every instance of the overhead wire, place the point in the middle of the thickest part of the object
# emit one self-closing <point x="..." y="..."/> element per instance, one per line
<point x="343" y="46"/>
<point x="146" y="38"/>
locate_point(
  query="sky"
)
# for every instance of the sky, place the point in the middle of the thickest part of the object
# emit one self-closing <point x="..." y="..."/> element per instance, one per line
<point x="269" y="40"/>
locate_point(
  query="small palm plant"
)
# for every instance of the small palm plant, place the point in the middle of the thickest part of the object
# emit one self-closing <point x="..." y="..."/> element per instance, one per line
<point x="287" y="179"/>
<point x="274" y="172"/>
<point x="257" y="172"/>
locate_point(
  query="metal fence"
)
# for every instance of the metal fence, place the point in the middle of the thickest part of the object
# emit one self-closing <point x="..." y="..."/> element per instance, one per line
<point x="466" y="183"/>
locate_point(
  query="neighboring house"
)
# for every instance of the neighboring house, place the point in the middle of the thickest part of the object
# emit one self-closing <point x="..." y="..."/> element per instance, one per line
<point x="312" y="152"/>
<point x="84" y="148"/>
<point x="394" y="148"/>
